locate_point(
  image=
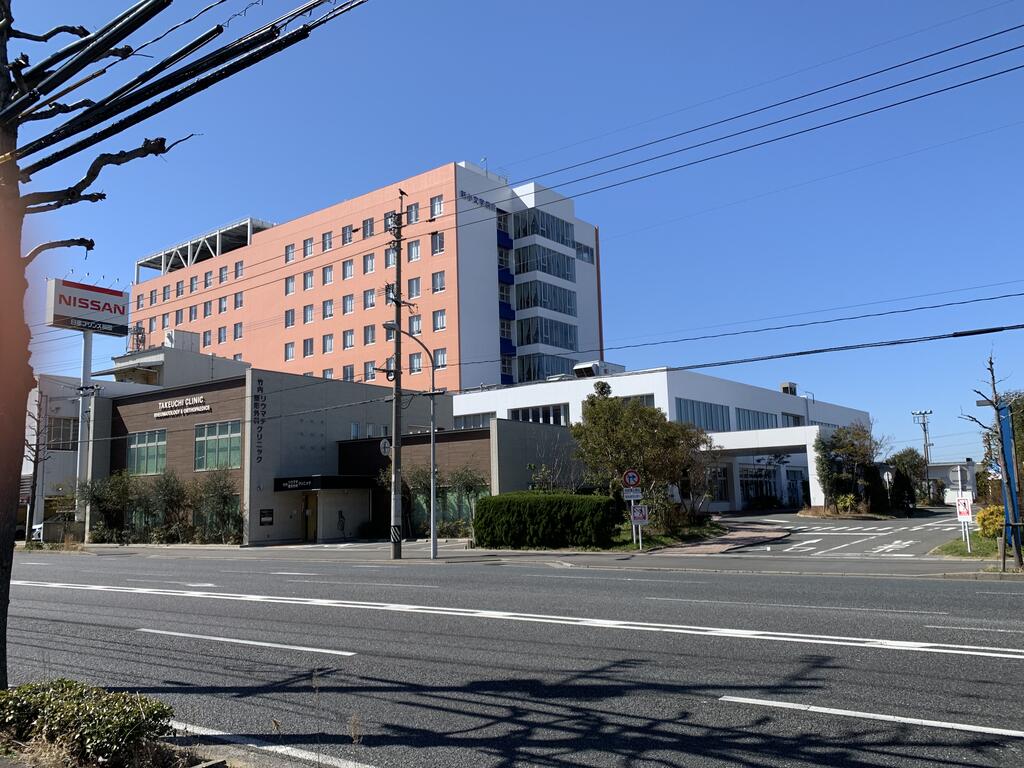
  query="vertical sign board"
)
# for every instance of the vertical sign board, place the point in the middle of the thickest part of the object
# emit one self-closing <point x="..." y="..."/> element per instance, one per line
<point x="80" y="307"/>
<point x="963" y="515"/>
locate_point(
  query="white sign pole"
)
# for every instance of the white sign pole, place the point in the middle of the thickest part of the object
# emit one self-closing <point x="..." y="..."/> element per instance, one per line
<point x="967" y="536"/>
<point x="632" y="525"/>
<point x="641" y="529"/>
<point x="83" y="431"/>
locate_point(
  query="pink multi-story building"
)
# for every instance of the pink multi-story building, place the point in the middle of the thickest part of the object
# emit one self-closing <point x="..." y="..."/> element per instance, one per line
<point x="501" y="283"/>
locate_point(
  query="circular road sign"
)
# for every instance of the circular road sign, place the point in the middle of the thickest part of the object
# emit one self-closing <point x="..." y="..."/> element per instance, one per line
<point x="631" y="478"/>
<point x="385" y="447"/>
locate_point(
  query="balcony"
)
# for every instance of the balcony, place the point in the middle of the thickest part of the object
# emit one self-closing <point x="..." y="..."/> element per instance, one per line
<point x="505" y="276"/>
<point x="505" y="311"/>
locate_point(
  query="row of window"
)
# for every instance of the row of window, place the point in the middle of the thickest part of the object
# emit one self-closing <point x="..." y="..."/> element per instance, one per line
<point x="542" y="414"/>
<point x="367" y="229"/>
<point x="544" y="330"/>
<point x="414" y="290"/>
<point x="62" y="433"/>
<point x="536" y="221"/>
<point x="533" y="258"/>
<point x="235" y="301"/>
<point x="193" y="285"/>
<point x="537" y="366"/>
<point x="217" y="445"/>
<point x="713" y="417"/>
<point x="348" y="372"/>
<point x="539" y="294"/>
<point x="369" y="265"/>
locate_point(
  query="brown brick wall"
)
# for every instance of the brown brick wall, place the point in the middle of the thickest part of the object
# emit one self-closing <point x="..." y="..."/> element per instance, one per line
<point x="135" y="414"/>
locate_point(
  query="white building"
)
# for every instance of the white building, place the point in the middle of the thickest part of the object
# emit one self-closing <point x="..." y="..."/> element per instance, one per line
<point x="748" y="424"/>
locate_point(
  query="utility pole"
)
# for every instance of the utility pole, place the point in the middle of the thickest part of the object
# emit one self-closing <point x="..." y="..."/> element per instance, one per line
<point x="921" y="417"/>
<point x="396" y="378"/>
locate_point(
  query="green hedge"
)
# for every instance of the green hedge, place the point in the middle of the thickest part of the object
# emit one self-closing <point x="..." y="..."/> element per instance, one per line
<point x="95" y="726"/>
<point x="542" y="520"/>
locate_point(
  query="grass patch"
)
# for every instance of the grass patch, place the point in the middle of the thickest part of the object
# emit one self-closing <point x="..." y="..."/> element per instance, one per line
<point x="981" y="548"/>
<point x="623" y="538"/>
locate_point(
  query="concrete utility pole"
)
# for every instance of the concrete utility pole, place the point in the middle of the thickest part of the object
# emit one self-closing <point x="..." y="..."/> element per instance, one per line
<point x="396" y="378"/>
<point x="921" y="417"/>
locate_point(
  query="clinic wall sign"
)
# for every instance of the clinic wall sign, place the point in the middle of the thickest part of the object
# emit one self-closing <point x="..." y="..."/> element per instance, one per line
<point x="81" y="307"/>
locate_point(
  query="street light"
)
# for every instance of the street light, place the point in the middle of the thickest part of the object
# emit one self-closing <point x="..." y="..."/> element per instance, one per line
<point x="390" y="325"/>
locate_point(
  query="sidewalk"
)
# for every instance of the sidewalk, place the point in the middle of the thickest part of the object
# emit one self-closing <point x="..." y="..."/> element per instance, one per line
<point x="739" y="535"/>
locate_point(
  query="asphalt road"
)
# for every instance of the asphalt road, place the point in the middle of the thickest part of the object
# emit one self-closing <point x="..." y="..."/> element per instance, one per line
<point x="532" y="662"/>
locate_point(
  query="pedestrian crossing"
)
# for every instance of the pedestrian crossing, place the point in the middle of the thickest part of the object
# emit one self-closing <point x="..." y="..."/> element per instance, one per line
<point x="876" y="529"/>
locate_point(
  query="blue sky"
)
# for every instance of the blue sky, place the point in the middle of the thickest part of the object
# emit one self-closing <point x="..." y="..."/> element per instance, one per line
<point x="922" y="199"/>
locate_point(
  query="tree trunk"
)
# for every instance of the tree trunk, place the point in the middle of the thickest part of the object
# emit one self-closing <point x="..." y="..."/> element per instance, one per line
<point x="17" y="380"/>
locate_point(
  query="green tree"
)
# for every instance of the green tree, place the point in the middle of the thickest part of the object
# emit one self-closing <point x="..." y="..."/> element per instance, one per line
<point x="216" y="507"/>
<point x="170" y="506"/>
<point x="123" y="501"/>
<point x="909" y="477"/>
<point x="842" y="458"/>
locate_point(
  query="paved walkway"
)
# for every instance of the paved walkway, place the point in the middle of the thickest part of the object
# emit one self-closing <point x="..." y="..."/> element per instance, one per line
<point x="739" y="535"/>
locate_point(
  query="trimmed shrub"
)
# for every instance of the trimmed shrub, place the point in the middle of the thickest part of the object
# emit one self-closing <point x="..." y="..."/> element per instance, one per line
<point x="991" y="521"/>
<point x="96" y="727"/>
<point x="545" y="520"/>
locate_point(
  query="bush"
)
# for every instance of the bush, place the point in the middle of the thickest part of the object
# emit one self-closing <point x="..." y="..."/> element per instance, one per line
<point x="93" y="725"/>
<point x="991" y="521"/>
<point x="454" y="529"/>
<point x="547" y="520"/>
<point x="846" y="502"/>
<point x="101" y="534"/>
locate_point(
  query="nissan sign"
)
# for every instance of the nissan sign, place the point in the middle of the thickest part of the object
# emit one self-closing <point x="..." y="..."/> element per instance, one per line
<point x="81" y="307"/>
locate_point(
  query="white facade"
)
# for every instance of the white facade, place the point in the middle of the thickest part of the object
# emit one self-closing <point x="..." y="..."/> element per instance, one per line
<point x="747" y="423"/>
<point x="550" y="313"/>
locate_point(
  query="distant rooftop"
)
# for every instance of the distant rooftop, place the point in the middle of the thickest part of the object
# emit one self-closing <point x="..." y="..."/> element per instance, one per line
<point x="204" y="247"/>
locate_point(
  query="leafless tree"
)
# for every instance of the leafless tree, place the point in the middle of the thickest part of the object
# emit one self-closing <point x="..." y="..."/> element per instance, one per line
<point x="37" y="93"/>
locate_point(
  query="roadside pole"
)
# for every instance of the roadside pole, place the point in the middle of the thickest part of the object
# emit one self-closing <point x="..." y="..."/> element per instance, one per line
<point x="631" y="492"/>
<point x="81" y="506"/>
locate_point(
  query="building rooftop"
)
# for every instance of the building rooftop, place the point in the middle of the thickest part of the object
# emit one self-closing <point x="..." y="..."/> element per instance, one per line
<point x="207" y="246"/>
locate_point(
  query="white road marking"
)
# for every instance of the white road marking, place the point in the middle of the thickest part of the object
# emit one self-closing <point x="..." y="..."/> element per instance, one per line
<point x="166" y="581"/>
<point x="1015" y="594"/>
<point x="20" y="562"/>
<point x="609" y="578"/>
<point x="293" y="573"/>
<point x="977" y="629"/>
<point x="362" y="584"/>
<point x="795" y="605"/>
<point x="893" y="545"/>
<point x="802" y="546"/>
<point x="539" y="618"/>
<point x="236" y="641"/>
<point x="847" y="544"/>
<point x="248" y="741"/>
<point x="875" y="716"/>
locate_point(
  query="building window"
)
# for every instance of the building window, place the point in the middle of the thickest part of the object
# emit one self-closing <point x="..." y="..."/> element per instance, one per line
<point x="307" y="280"/>
<point x="367" y="228"/>
<point x="348" y="373"/>
<point x="193" y="284"/>
<point x="165" y="294"/>
<point x="389" y="257"/>
<point x="207" y="279"/>
<point x="369" y="298"/>
<point x="369" y="371"/>
<point x="237" y="356"/>
<point x="436" y="206"/>
<point x="289" y="318"/>
<point x="152" y="324"/>
<point x="414" y="288"/>
<point x="327" y="275"/>
<point x="179" y="316"/>
<point x="415" y="325"/>
<point x="239" y="269"/>
<point x="440" y="320"/>
<point x="792" y="420"/>
<point x="416" y="362"/>
<point x="544" y="330"/>
<point x="219" y="445"/>
<point x="539" y="222"/>
<point x="504" y="258"/>
<point x="326" y="243"/>
<point x="389" y="221"/>
<point x="346" y="234"/>
<point x="307" y="314"/>
<point x="307" y="247"/>
<point x="348" y="339"/>
<point x="207" y="338"/>
<point x="152" y="297"/>
<point x="536" y="367"/>
<point x="507" y="365"/>
<point x="389" y="334"/>
<point x="222" y="334"/>
<point x="389" y="294"/>
<point x="505" y="293"/>
<point x="327" y="311"/>
<point x="147" y="452"/>
<point x="437" y="282"/>
<point x="328" y="343"/>
<point x="367" y="263"/>
<point x="719" y="477"/>
<point x="347" y="269"/>
<point x="412" y="251"/>
<point x="222" y="305"/>
<point x="236" y="331"/>
<point x="436" y="243"/>
<point x="239" y="300"/>
<point x="542" y="414"/>
<point x="222" y="274"/>
<point x="369" y="334"/>
<point x="289" y="254"/>
<point x="348" y="304"/>
<point x="193" y="313"/>
<point x="536" y="293"/>
<point x="501" y="221"/>
<point x="328" y="373"/>
<point x="140" y="301"/>
<point x="756" y="482"/>
<point x="307" y="347"/>
<point x="474" y="420"/>
<point x="584" y="253"/>
<point x="62" y="433"/>
<point x="710" y="417"/>
<point x="505" y="329"/>
<point x="412" y="213"/>
<point x="164" y="320"/>
<point x="353" y="430"/>
<point x="289" y="350"/>
<point x="179" y="289"/>
<point x="537" y="258"/>
<point x="748" y="419"/>
<point x="440" y="358"/>
<point x="289" y="285"/>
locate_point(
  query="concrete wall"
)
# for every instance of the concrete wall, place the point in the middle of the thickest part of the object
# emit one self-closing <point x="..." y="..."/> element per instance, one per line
<point x="517" y="444"/>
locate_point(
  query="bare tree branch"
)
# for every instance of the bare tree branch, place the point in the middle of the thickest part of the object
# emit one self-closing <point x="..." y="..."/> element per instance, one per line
<point x="47" y="36"/>
<point x="39" y="202"/>
<point x="58" y="109"/>
<point x="76" y="242"/>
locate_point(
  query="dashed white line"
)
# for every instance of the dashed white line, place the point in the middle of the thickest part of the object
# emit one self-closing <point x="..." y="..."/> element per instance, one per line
<point x="874" y="716"/>
<point x="236" y="641"/>
<point x="977" y="629"/>
<point x="363" y="584"/>
<point x="847" y="544"/>
<point x="795" y="605"/>
<point x="165" y="581"/>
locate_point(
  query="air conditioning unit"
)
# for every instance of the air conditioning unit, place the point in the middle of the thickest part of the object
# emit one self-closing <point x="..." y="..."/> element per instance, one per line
<point x="596" y="368"/>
